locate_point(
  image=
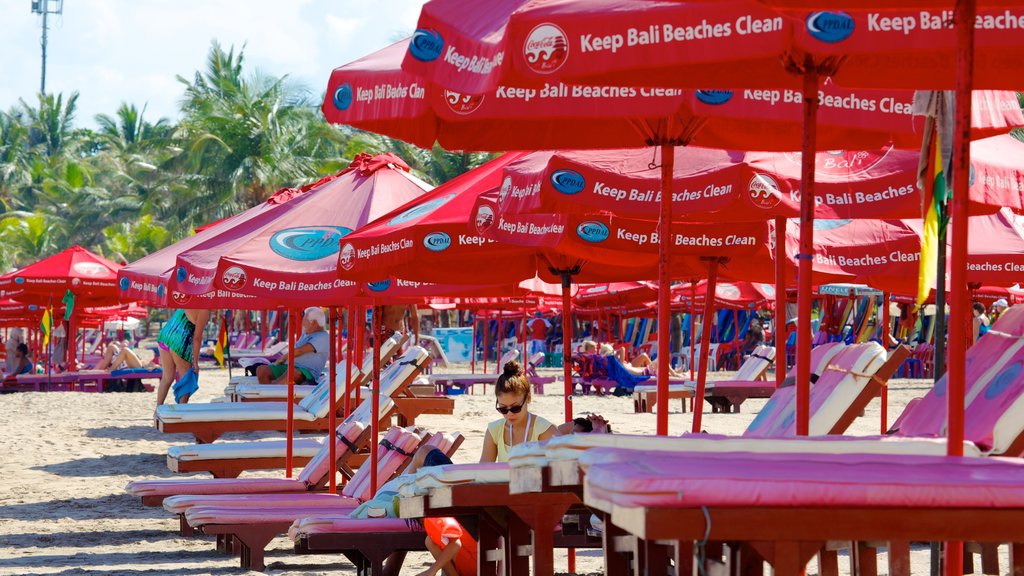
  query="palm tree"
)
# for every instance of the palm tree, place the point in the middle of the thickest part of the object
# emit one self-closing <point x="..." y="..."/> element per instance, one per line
<point x="244" y="136"/>
<point x="129" y="241"/>
<point x="50" y="125"/>
<point x="15" y="171"/>
<point x="27" y="237"/>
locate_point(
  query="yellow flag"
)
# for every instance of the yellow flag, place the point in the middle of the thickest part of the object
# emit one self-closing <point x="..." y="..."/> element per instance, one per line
<point x="934" y="200"/>
<point x="45" y="325"/>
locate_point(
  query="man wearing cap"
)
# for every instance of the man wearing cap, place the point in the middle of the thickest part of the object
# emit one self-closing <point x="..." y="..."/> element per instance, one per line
<point x="998" y="307"/>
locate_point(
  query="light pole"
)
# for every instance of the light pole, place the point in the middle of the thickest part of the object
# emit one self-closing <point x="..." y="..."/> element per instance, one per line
<point x="46" y="7"/>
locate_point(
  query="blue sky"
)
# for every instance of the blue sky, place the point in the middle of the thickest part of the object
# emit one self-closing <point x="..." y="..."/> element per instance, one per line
<point x="131" y="50"/>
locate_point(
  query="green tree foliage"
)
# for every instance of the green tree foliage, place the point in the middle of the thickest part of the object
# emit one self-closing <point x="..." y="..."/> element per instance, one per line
<point x="135" y="184"/>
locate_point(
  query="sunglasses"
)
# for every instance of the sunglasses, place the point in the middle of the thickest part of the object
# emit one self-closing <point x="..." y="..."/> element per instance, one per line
<point x="513" y="409"/>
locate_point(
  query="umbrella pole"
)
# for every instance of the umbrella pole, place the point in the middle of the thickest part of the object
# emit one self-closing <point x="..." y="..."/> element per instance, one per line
<point x="959" y="313"/>
<point x="472" y="354"/>
<point x="357" y="355"/>
<point x="885" y="344"/>
<point x="567" y="343"/>
<point x="693" y="326"/>
<point x="522" y="334"/>
<point x="487" y="336"/>
<point x="705" y="346"/>
<point x="375" y="394"/>
<point x="803" y="297"/>
<point x="292" y="317"/>
<point x="350" y="350"/>
<point x="332" y="416"/>
<point x="664" y="286"/>
<point x="781" y="366"/>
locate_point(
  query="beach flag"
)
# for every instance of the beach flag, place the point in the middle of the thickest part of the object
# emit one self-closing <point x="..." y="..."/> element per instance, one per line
<point x="935" y="219"/>
<point x="45" y="324"/>
<point x="69" y="304"/>
<point x="222" y="345"/>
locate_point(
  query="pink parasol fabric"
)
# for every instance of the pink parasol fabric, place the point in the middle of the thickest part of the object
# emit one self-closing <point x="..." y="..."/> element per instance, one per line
<point x="290" y="255"/>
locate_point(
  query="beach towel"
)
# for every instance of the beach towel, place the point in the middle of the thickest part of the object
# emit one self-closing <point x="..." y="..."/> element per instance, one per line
<point x="626" y="380"/>
<point x="187" y="385"/>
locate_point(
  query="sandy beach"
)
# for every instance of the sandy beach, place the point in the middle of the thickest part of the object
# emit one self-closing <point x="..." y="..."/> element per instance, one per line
<point x="66" y="457"/>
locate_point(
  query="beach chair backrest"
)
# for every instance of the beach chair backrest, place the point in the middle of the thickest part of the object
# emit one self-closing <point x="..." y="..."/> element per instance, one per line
<point x="507" y="357"/>
<point x="821" y="356"/>
<point x="852" y="369"/>
<point x="393" y="381"/>
<point x="756" y="364"/>
<point x="994" y="415"/>
<point x="317" y="401"/>
<point x="399" y="445"/>
<point x="347" y="433"/>
<point x="983" y="363"/>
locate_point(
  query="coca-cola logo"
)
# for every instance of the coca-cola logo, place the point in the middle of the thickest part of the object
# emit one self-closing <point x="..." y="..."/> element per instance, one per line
<point x="463" y="104"/>
<point x="347" y="257"/>
<point x="484" y="219"/>
<point x="506" y="187"/>
<point x="180" y="297"/>
<point x="234" y="278"/>
<point x="93" y="269"/>
<point x="546" y="48"/>
<point x="763" y="191"/>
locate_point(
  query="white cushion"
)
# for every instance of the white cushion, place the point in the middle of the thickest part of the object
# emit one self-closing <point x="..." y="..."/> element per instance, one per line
<point x="302" y="447"/>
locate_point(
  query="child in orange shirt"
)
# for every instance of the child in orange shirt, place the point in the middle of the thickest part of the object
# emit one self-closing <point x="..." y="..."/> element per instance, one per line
<point x="453" y="549"/>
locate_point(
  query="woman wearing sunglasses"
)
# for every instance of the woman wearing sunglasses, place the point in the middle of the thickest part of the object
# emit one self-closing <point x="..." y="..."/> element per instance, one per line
<point x="518" y="425"/>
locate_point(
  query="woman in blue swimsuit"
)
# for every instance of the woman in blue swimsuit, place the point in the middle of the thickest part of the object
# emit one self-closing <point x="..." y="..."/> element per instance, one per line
<point x="179" y="342"/>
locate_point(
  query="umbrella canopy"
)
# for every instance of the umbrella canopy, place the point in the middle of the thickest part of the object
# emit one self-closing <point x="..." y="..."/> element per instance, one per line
<point x="375" y="93"/>
<point x="711" y="185"/>
<point x="727" y="294"/>
<point x="290" y="256"/>
<point x="629" y="245"/>
<point x="474" y="49"/>
<point x="615" y="294"/>
<point x="153" y="278"/>
<point x="92" y="279"/>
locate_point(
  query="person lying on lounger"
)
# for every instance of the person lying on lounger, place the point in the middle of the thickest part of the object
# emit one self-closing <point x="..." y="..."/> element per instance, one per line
<point x="310" y="353"/>
<point x="115" y="356"/>
<point x="640" y="365"/>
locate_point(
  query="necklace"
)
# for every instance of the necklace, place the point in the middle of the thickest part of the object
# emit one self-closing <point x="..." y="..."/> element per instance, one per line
<point x="526" y="436"/>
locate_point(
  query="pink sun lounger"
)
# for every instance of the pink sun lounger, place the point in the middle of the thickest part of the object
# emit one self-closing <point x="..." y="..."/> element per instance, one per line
<point x="312" y="477"/>
<point x="392" y="452"/>
<point x="792" y="505"/>
<point x="247" y="528"/>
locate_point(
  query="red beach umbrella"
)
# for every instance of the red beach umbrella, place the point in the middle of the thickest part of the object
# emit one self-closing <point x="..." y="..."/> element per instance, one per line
<point x="291" y="255"/>
<point x="683" y="126"/>
<point x="92" y="278"/>
<point x="545" y="46"/>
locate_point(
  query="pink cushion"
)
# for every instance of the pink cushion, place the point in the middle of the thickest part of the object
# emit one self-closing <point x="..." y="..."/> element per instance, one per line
<point x="388" y="462"/>
<point x="203" y="515"/>
<point x="319" y="465"/>
<point x="339" y="525"/>
<point x="213" y="486"/>
<point x="744" y="479"/>
<point x="179" y="504"/>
